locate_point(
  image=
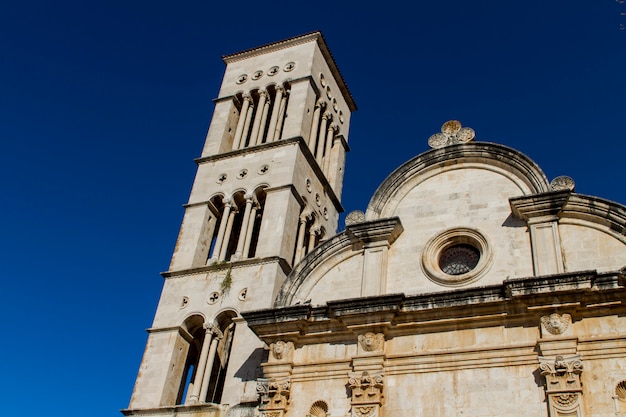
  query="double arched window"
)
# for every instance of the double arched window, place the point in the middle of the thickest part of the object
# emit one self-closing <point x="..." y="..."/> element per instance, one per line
<point x="207" y="358"/>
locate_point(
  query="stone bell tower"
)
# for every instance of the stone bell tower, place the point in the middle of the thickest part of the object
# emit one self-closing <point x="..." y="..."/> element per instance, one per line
<point x="267" y="191"/>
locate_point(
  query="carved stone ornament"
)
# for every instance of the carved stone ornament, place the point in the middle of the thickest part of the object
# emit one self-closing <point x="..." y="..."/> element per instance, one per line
<point x="355" y="217"/>
<point x="367" y="394"/>
<point x="451" y="134"/>
<point x="563" y="387"/>
<point x="555" y="323"/>
<point x="281" y="350"/>
<point x="562" y="183"/>
<point x="274" y="396"/>
<point x="371" y="342"/>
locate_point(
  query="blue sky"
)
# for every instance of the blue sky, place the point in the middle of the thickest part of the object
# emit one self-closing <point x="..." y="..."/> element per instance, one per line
<point x="104" y="105"/>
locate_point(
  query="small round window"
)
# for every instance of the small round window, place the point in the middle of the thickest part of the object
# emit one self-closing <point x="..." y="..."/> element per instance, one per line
<point x="459" y="259"/>
<point x="456" y="256"/>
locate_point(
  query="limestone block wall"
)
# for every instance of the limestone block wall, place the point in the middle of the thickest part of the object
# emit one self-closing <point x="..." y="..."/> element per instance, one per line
<point x="469" y="197"/>
<point x="253" y="286"/>
<point x="586" y="247"/>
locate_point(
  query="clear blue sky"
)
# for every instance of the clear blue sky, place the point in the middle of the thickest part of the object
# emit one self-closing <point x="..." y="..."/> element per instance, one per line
<point x="104" y="105"/>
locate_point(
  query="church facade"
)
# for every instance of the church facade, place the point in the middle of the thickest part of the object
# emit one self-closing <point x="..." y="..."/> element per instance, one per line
<point x="471" y="286"/>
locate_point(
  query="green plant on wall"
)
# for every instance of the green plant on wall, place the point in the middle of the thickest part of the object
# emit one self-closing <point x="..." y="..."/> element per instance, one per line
<point x="227" y="282"/>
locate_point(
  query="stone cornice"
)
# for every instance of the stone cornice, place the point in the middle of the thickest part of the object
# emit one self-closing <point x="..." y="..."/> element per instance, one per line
<point x="202" y="409"/>
<point x="299" y="40"/>
<point x="583" y="293"/>
<point x="284" y="265"/>
<point x="539" y="205"/>
<point x="280" y="143"/>
<point x="378" y="230"/>
<point x="597" y="210"/>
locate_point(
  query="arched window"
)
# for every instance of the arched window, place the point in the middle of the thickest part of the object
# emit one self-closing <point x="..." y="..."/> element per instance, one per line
<point x="207" y="359"/>
<point x="239" y="224"/>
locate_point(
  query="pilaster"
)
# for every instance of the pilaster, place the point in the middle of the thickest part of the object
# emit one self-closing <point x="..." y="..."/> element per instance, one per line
<point x="541" y="213"/>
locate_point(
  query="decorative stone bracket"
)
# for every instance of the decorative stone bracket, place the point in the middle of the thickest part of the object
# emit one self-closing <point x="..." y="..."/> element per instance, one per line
<point x="367" y="394"/>
<point x="563" y="387"/>
<point x="274" y="396"/>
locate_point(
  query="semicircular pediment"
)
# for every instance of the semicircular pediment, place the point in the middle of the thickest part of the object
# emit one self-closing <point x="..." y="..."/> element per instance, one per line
<point x="520" y="170"/>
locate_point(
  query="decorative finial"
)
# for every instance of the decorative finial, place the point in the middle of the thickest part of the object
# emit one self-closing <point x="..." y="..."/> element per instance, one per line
<point x="355" y="217"/>
<point x="451" y="134"/>
<point x="562" y="183"/>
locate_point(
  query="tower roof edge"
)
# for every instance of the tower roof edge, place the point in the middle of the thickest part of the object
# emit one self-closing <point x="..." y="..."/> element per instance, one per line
<point x="296" y="40"/>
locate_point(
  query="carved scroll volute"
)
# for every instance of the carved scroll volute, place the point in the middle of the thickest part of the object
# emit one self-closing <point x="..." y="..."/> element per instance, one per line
<point x="563" y="386"/>
<point x="281" y="351"/>
<point x="371" y="343"/>
<point x="273" y="396"/>
<point x="367" y="394"/>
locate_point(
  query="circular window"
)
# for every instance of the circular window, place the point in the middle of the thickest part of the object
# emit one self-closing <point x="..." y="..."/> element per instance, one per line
<point x="459" y="259"/>
<point x="456" y="256"/>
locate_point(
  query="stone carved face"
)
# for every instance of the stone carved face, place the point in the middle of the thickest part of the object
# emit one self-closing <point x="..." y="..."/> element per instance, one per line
<point x="280" y="349"/>
<point x="555" y="323"/>
<point x="371" y="341"/>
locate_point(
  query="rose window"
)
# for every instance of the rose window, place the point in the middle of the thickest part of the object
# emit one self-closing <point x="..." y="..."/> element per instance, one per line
<point x="459" y="259"/>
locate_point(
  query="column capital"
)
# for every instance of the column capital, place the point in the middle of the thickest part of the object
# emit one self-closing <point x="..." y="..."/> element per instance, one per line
<point x="327" y="115"/>
<point x="281" y="88"/>
<point x="321" y="103"/>
<point x="333" y="127"/>
<point x="228" y="201"/>
<point x="213" y="329"/>
<point x="247" y="97"/>
<point x="263" y="92"/>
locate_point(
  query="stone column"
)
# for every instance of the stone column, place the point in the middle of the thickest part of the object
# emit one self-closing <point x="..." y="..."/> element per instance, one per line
<point x="316" y="124"/>
<point x="246" y="127"/>
<point x="250" y="231"/>
<point x="227" y="235"/>
<point x="312" y="239"/>
<point x="221" y="230"/>
<point x="264" y="116"/>
<point x="243" y="114"/>
<point x="281" y="115"/>
<point x="332" y="130"/>
<point x="319" y="153"/>
<point x="202" y="362"/>
<point x="244" y="227"/>
<point x="254" y="135"/>
<point x="209" y="363"/>
<point x="271" y="130"/>
<point x="300" y="241"/>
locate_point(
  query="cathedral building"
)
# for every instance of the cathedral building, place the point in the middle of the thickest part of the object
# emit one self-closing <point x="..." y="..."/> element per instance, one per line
<point x="471" y="286"/>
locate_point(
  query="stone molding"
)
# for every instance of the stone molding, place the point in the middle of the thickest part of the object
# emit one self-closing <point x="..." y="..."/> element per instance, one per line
<point x="286" y="268"/>
<point x="304" y="149"/>
<point x="355" y="235"/>
<point x="541" y="205"/>
<point x="206" y="409"/>
<point x="518" y="164"/>
<point x="400" y="314"/>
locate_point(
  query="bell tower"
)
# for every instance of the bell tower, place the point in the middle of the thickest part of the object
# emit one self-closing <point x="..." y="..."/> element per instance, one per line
<point x="266" y="192"/>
